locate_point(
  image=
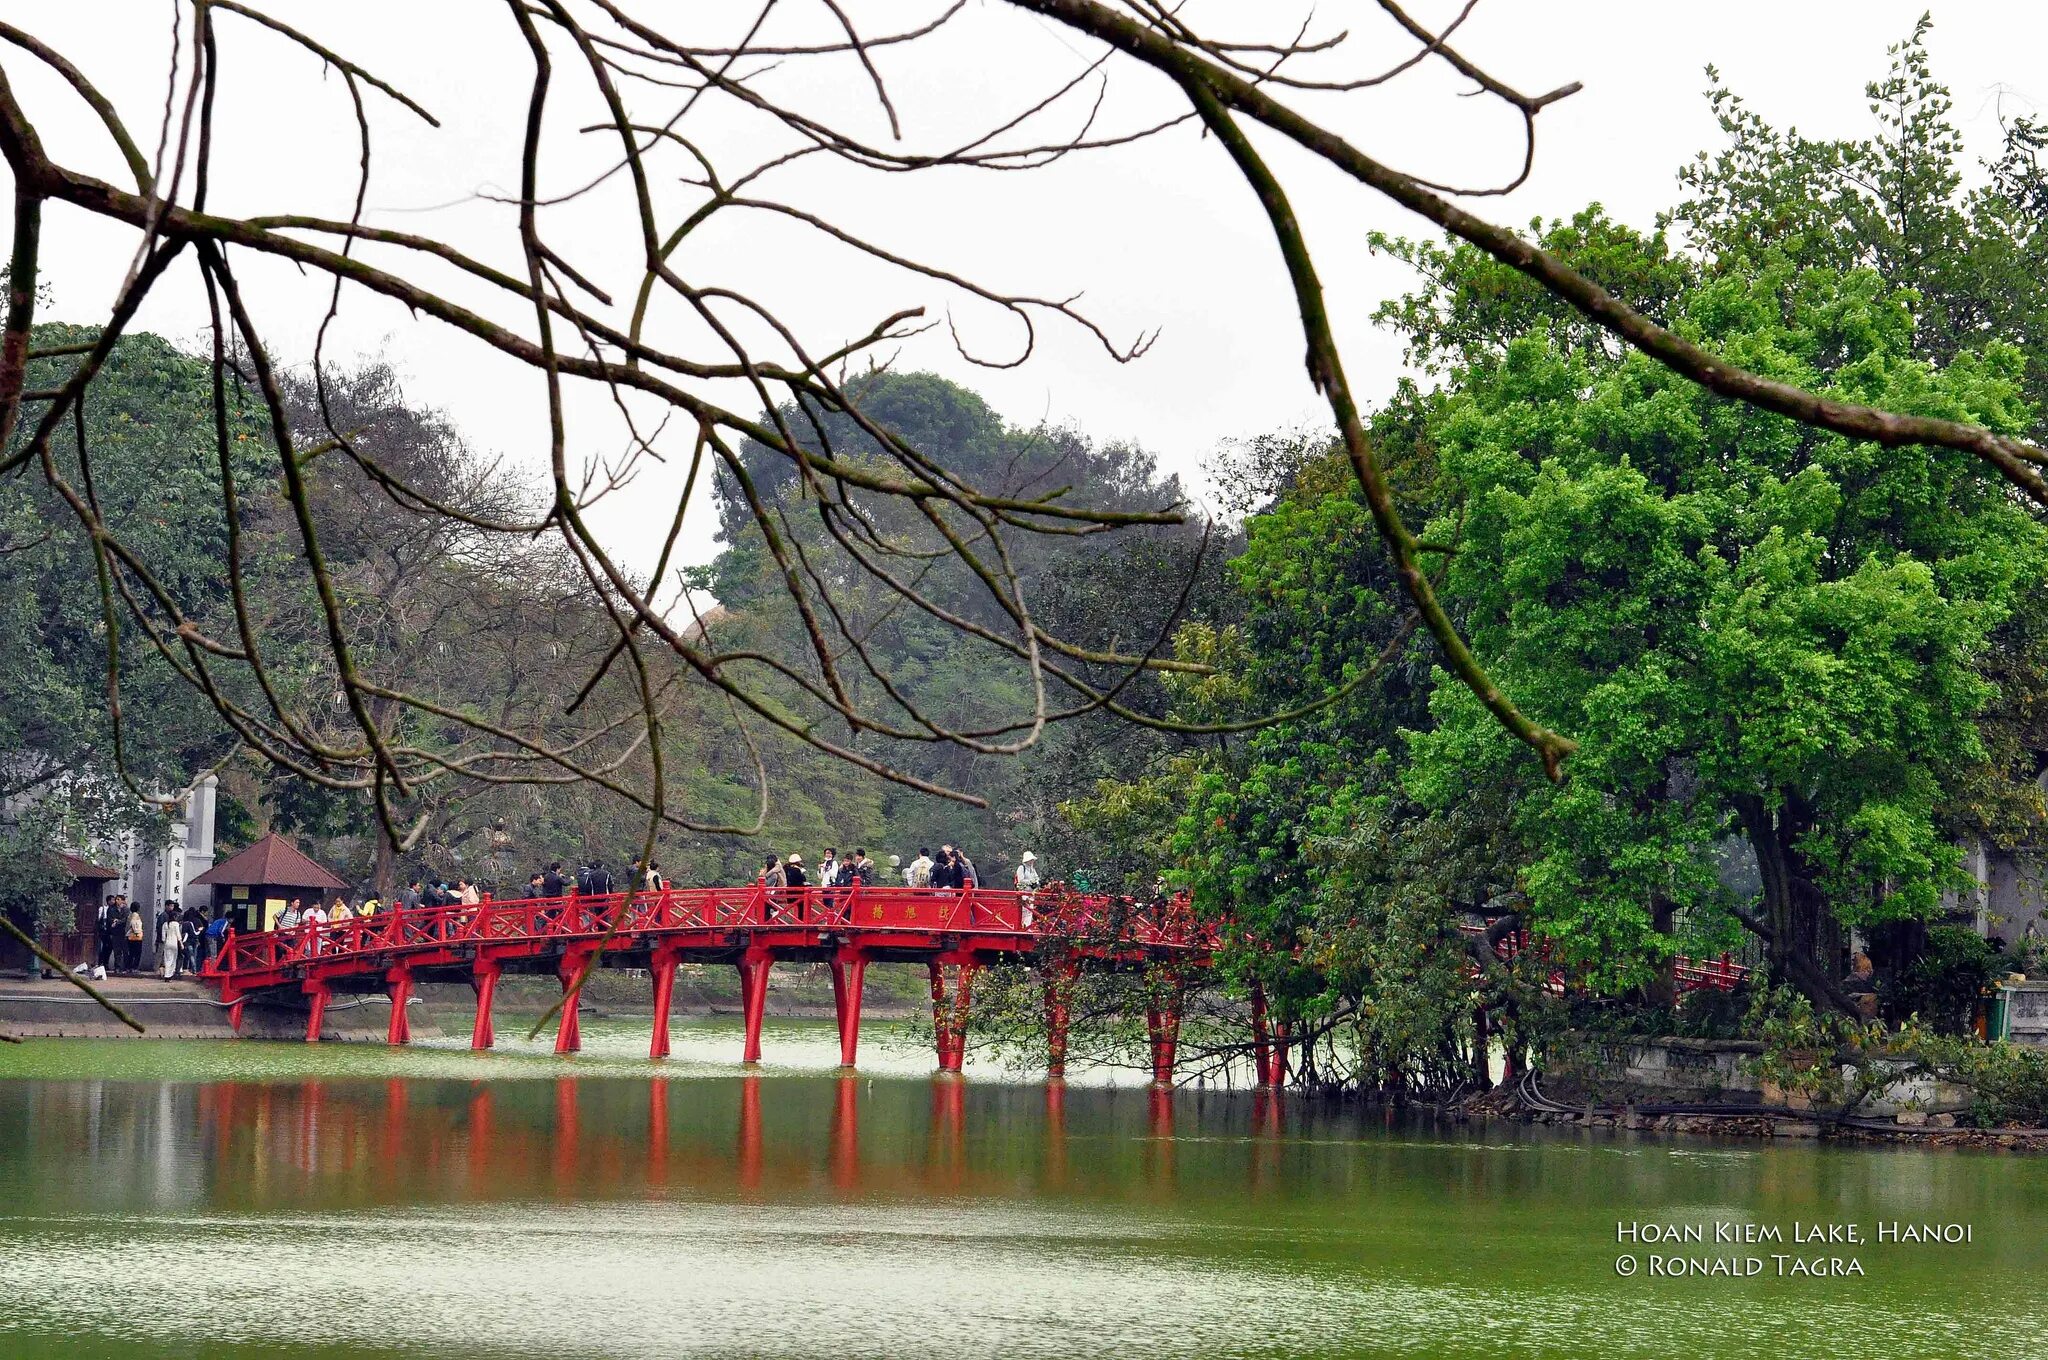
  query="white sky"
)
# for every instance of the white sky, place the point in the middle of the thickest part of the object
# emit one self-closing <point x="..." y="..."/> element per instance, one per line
<point x="1159" y="236"/>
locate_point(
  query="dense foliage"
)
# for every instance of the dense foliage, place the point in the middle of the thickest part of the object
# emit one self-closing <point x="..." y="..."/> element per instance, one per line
<point x="1799" y="668"/>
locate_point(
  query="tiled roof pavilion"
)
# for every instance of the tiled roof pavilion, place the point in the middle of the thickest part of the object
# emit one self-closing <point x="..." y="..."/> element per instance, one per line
<point x="271" y="862"/>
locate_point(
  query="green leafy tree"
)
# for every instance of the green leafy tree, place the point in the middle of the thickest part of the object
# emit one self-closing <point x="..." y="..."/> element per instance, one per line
<point x="1758" y="629"/>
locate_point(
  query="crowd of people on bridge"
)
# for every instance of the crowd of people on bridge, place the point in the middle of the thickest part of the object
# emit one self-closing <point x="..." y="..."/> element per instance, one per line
<point x="189" y="938"/>
<point x="949" y="869"/>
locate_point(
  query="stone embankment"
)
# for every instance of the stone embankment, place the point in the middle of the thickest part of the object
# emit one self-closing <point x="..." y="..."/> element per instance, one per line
<point x="50" y="1008"/>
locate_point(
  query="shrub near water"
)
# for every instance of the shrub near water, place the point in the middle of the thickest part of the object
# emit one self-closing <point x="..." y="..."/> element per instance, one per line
<point x="1943" y="985"/>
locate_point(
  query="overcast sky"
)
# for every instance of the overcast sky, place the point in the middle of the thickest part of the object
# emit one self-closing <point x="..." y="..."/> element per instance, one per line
<point x="1158" y="236"/>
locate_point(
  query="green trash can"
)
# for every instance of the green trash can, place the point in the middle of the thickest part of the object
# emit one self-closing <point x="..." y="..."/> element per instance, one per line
<point x="1998" y="1013"/>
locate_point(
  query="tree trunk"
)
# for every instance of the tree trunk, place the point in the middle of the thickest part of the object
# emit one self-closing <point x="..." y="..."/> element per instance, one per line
<point x="385" y="876"/>
<point x="1663" y="988"/>
<point x="1799" y="933"/>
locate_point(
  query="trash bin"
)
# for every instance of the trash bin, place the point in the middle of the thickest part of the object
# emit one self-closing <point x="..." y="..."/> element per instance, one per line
<point x="1998" y="1012"/>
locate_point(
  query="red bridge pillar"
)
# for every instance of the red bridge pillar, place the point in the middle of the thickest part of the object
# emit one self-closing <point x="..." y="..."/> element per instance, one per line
<point x="1059" y="987"/>
<point x="949" y="1019"/>
<point x="849" y="973"/>
<point x="316" y="994"/>
<point x="1269" y="1042"/>
<point x="484" y="978"/>
<point x="398" y="983"/>
<point x="1276" y="1068"/>
<point x="663" y="966"/>
<point x="569" y="1028"/>
<point x="1162" y="1027"/>
<point x="754" y="966"/>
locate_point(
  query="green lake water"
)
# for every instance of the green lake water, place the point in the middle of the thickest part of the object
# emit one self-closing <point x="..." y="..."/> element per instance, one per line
<point x="244" y="1199"/>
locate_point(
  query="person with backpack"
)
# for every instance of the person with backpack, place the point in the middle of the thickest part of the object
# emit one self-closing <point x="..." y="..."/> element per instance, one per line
<point x="919" y="872"/>
<point x="1028" y="880"/>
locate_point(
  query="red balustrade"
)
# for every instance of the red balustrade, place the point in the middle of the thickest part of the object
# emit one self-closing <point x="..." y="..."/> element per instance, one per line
<point x="749" y="927"/>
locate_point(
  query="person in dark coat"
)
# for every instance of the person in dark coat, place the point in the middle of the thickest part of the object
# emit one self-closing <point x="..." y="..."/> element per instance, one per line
<point x="113" y="922"/>
<point x="794" y="878"/>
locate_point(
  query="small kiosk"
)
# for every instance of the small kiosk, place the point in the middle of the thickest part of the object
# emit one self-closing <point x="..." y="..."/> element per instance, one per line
<point x="254" y="886"/>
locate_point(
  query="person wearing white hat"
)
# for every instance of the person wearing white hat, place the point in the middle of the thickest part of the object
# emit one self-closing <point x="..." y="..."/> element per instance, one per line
<point x="1027" y="883"/>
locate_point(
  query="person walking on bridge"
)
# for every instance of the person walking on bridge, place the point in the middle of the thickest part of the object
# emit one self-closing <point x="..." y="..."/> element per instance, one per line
<point x="919" y="874"/>
<point x="1027" y="880"/>
<point x="830" y="875"/>
<point x="340" y="914"/>
<point x="795" y="881"/>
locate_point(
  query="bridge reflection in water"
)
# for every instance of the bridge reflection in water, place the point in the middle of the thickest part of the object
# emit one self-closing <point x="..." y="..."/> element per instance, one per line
<point x="578" y="1210"/>
<point x="410" y="1140"/>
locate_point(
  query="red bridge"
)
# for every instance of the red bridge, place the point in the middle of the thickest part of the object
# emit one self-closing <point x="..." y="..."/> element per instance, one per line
<point x="953" y="933"/>
<point x="1058" y="932"/>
